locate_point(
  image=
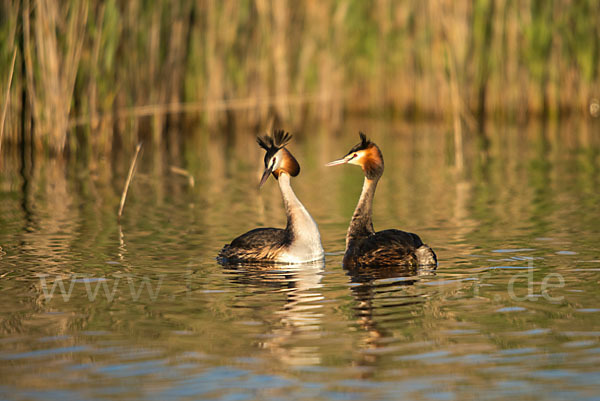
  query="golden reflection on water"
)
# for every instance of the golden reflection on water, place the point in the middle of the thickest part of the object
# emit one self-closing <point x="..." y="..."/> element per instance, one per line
<point x="523" y="195"/>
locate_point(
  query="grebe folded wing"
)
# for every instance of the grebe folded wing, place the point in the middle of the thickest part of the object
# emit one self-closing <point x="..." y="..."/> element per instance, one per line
<point x="256" y="245"/>
<point x="386" y="248"/>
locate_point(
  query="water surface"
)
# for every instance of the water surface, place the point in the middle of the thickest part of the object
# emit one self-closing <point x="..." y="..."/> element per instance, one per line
<point x="98" y="309"/>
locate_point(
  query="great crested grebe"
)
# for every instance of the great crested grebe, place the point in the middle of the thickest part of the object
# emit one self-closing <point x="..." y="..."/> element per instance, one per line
<point x="300" y="241"/>
<point x="364" y="246"/>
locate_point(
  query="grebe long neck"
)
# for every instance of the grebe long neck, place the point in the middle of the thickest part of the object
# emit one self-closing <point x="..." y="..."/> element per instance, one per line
<point x="300" y="223"/>
<point x="361" y="224"/>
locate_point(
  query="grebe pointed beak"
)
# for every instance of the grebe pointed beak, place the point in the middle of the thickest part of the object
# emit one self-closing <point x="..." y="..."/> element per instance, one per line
<point x="265" y="176"/>
<point x="338" y="162"/>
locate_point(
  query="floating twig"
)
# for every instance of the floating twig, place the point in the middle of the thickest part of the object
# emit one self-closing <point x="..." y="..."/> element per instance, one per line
<point x="184" y="173"/>
<point x="129" y="177"/>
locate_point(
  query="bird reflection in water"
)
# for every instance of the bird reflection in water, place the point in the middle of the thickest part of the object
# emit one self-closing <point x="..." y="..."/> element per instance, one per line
<point x="297" y="328"/>
<point x="384" y="303"/>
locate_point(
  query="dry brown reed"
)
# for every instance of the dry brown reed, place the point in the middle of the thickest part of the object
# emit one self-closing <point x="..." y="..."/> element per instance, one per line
<point x="52" y="63"/>
<point x="6" y="102"/>
<point x="230" y="63"/>
<point x="128" y="181"/>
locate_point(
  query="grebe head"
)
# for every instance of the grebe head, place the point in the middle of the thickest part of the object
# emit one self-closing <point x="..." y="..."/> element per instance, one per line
<point x="365" y="154"/>
<point x="278" y="159"/>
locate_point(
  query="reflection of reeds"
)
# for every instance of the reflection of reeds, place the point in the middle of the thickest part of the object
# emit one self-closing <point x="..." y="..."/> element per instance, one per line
<point x="109" y="62"/>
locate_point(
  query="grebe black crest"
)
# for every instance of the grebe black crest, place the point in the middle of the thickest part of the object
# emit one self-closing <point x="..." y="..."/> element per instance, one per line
<point x="300" y="241"/>
<point x="273" y="145"/>
<point x="364" y="246"/>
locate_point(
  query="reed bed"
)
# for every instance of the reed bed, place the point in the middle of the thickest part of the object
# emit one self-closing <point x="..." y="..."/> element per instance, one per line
<point x="95" y="73"/>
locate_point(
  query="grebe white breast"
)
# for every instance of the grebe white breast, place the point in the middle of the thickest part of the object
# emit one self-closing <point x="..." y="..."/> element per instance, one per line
<point x="364" y="246"/>
<point x="300" y="241"/>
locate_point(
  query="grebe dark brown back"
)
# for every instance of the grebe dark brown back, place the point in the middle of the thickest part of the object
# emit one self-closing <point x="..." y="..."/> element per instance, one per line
<point x="364" y="246"/>
<point x="300" y="241"/>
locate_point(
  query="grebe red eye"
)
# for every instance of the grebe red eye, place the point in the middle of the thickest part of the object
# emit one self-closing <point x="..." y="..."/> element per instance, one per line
<point x="355" y="155"/>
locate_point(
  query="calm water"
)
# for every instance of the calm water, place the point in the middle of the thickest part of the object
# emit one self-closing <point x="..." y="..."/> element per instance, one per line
<point x="94" y="309"/>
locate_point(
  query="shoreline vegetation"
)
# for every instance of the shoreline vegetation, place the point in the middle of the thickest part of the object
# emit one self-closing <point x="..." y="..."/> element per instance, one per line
<point x="93" y="74"/>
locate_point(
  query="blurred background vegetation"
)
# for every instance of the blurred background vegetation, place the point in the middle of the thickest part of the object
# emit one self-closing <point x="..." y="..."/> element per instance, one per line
<point x="98" y="74"/>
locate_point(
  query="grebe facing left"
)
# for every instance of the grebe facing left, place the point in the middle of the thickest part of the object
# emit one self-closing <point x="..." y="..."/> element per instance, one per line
<point x="364" y="246"/>
<point x="300" y="241"/>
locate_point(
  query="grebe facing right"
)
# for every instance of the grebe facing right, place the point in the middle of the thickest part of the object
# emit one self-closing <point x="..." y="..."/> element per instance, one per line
<point x="300" y="241"/>
<point x="364" y="246"/>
